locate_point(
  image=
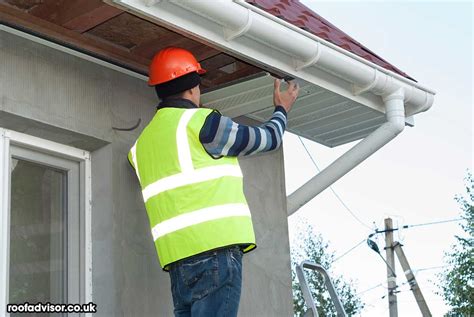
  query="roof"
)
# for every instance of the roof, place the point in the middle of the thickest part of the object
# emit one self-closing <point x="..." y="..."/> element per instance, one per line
<point x="109" y="33"/>
<point x="327" y="110"/>
<point x="118" y="37"/>
<point x="296" y="13"/>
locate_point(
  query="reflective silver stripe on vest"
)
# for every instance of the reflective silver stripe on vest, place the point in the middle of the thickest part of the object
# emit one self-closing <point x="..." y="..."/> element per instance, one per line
<point x="188" y="174"/>
<point x="199" y="216"/>
<point x="134" y="159"/>
<point x="195" y="176"/>
<point x="184" y="152"/>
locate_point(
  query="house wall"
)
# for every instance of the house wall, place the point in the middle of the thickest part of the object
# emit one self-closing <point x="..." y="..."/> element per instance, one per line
<point x="53" y="95"/>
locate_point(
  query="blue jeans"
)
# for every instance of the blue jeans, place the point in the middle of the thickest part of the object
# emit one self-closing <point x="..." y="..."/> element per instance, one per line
<point x="207" y="284"/>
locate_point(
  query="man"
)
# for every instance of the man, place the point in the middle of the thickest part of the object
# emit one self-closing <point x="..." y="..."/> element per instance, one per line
<point x="186" y="163"/>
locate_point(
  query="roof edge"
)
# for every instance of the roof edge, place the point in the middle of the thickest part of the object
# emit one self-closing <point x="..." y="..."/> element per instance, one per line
<point x="326" y="32"/>
<point x="331" y="45"/>
<point x="247" y="31"/>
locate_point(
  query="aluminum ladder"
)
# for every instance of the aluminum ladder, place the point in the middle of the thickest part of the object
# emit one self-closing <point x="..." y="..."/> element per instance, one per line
<point x="312" y="311"/>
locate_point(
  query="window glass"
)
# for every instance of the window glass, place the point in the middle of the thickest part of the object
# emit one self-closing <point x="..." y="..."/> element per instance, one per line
<point x="38" y="233"/>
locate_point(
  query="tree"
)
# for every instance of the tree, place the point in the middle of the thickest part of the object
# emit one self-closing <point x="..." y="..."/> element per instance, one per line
<point x="311" y="246"/>
<point x="457" y="283"/>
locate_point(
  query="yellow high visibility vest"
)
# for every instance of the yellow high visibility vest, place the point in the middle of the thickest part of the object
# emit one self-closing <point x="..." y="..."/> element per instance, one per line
<point x="195" y="203"/>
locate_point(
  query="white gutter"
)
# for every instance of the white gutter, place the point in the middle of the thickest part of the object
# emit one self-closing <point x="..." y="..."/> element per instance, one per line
<point x="253" y="34"/>
<point x="329" y="44"/>
<point x="256" y="35"/>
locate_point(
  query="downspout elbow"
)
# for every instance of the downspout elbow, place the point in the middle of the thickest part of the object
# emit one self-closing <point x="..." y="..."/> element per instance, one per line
<point x="395" y="111"/>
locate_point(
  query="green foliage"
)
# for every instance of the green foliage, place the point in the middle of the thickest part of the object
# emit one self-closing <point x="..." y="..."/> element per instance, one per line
<point x="311" y="246"/>
<point x="457" y="283"/>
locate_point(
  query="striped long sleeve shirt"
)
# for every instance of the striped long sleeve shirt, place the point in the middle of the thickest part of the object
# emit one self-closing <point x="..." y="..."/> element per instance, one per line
<point x="221" y="136"/>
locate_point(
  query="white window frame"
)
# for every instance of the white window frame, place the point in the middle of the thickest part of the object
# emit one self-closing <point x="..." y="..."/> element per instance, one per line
<point x="8" y="138"/>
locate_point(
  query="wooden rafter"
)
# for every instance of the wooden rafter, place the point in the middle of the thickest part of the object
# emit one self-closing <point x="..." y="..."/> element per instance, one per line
<point x="217" y="61"/>
<point x="78" y="15"/>
<point x="241" y="73"/>
<point x="62" y="11"/>
<point x="170" y="38"/>
<point x="112" y="53"/>
<point x="101" y="30"/>
<point x="88" y="20"/>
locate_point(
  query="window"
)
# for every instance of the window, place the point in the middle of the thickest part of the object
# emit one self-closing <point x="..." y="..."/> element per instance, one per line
<point x="44" y="222"/>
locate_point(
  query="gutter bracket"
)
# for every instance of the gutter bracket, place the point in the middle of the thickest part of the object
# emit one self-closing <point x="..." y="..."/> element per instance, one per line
<point x="356" y="90"/>
<point x="231" y="34"/>
<point x="300" y="65"/>
<point x="150" y="3"/>
<point x="410" y="121"/>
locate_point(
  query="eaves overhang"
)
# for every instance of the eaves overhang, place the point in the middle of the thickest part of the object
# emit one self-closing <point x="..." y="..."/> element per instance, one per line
<point x="318" y="114"/>
<point x="352" y="86"/>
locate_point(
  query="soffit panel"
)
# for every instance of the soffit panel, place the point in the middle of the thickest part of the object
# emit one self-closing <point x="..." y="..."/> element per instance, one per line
<point x="318" y="114"/>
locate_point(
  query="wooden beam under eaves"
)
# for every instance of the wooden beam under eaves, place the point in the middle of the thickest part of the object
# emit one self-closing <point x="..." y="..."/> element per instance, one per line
<point x="90" y="19"/>
<point x="78" y="15"/>
<point x="243" y="70"/>
<point x="111" y="53"/>
<point x="169" y="38"/>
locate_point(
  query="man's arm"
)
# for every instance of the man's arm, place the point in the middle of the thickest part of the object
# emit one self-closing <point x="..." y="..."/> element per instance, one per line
<point x="221" y="136"/>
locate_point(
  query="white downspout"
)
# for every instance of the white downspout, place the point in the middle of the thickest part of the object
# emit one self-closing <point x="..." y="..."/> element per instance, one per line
<point x="395" y="114"/>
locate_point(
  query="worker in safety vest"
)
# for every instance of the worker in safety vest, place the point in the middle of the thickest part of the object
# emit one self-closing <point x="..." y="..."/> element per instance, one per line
<point x="186" y="162"/>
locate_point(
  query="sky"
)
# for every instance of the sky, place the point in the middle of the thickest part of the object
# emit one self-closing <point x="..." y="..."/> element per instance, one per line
<point x="415" y="177"/>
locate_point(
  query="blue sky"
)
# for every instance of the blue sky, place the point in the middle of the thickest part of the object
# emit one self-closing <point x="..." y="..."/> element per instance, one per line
<point x="414" y="178"/>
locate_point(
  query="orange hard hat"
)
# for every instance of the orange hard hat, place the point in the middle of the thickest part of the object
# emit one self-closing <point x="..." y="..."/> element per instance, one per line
<point x="171" y="63"/>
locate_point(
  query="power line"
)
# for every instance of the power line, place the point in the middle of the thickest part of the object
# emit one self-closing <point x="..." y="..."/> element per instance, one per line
<point x="373" y="301"/>
<point x="369" y="289"/>
<point x="348" y="209"/>
<point x="417" y="225"/>
<point x="333" y="191"/>
<point x="345" y="253"/>
<point x="309" y="154"/>
<point x="432" y="223"/>
<point x="430" y="268"/>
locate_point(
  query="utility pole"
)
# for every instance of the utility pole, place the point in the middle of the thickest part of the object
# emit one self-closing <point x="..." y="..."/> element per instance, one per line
<point x="420" y="300"/>
<point x="391" y="277"/>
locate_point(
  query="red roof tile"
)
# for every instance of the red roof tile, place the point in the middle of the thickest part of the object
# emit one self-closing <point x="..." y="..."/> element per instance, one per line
<point x="299" y="15"/>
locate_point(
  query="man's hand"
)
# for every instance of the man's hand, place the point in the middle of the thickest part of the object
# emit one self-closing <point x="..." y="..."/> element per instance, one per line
<point x="287" y="98"/>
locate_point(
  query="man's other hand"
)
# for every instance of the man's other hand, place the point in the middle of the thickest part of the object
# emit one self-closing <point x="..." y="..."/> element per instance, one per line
<point x="287" y="98"/>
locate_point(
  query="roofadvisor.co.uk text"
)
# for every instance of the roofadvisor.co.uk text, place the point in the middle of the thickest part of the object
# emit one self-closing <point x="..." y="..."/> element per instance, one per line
<point x="51" y="308"/>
